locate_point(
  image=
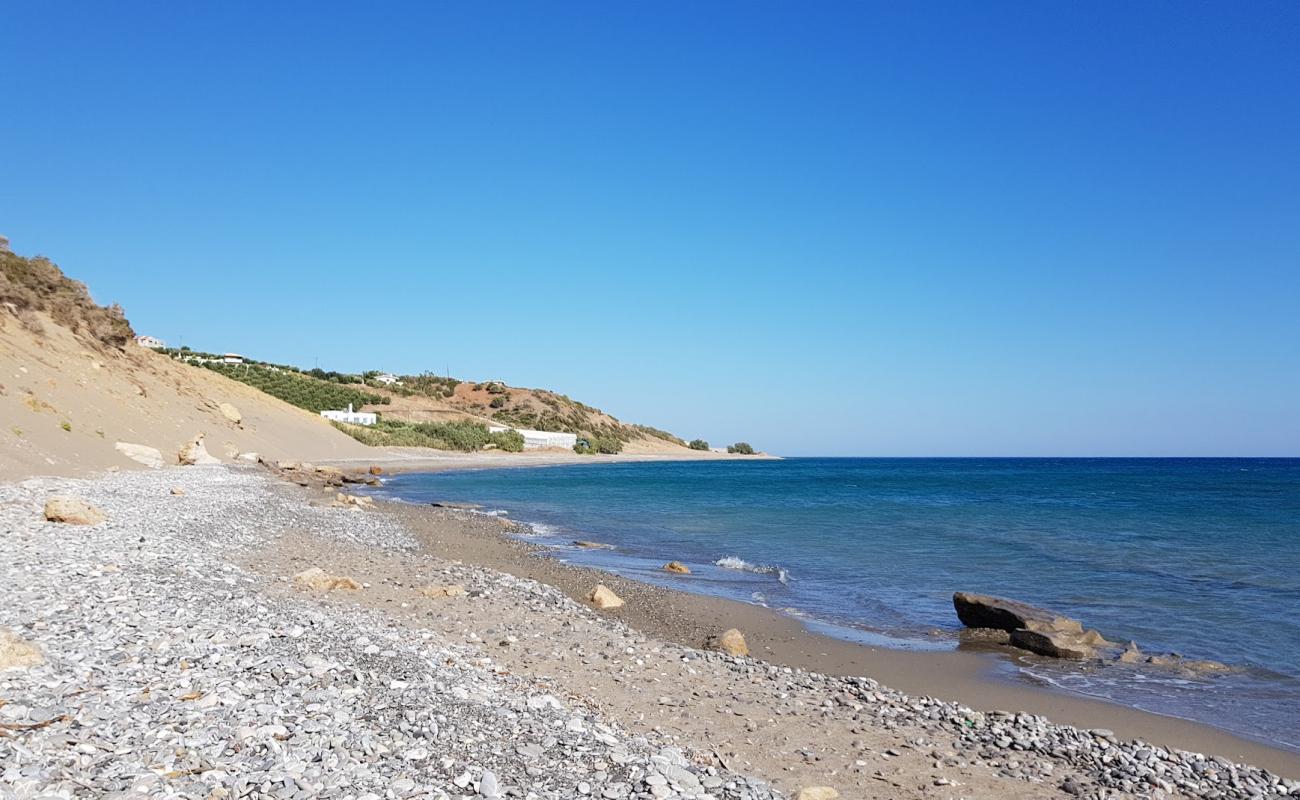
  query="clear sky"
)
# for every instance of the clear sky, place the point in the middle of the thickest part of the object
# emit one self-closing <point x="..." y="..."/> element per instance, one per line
<point x="897" y="229"/>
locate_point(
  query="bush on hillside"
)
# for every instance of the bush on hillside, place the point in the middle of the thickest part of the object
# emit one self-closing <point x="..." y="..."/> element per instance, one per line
<point x="698" y="444"/>
<point x="466" y="436"/>
<point x="509" y="441"/>
<point x="37" y="284"/>
<point x="314" y="394"/>
<point x="742" y="448"/>
<point x="608" y="445"/>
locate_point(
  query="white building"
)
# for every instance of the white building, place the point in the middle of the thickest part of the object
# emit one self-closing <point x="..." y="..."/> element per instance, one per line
<point x="389" y="379"/>
<point x="352" y="417"/>
<point x="232" y="358"/>
<point x="150" y="342"/>
<point x="540" y="440"/>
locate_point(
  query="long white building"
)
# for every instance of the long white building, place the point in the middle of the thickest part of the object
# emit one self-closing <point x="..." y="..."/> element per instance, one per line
<point x="352" y="417"/>
<point x="541" y="440"/>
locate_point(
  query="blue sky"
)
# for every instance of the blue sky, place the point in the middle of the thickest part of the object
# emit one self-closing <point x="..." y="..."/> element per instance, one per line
<point x="894" y="229"/>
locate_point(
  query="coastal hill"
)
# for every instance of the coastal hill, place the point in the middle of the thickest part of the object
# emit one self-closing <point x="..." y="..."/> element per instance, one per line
<point x="73" y="384"/>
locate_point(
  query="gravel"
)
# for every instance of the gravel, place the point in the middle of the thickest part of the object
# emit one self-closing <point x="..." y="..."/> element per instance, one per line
<point x="171" y="672"/>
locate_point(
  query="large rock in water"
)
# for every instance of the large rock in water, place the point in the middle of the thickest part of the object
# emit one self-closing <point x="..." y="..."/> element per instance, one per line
<point x="1045" y="641"/>
<point x="1035" y="629"/>
<point x="984" y="611"/>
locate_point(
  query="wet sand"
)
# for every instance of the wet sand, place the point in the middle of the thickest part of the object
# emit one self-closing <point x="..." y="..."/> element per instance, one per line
<point x="976" y="676"/>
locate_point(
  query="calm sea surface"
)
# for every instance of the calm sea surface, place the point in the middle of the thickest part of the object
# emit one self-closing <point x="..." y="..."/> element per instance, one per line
<point x="1195" y="556"/>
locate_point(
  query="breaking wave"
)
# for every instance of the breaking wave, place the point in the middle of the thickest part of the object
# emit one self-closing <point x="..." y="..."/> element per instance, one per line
<point x="741" y="565"/>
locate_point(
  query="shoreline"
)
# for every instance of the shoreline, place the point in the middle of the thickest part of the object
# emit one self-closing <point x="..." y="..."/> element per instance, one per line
<point x="421" y="666"/>
<point x="403" y="460"/>
<point x="974" y="674"/>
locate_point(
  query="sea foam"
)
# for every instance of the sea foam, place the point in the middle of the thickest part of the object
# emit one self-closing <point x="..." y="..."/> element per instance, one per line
<point x="741" y="565"/>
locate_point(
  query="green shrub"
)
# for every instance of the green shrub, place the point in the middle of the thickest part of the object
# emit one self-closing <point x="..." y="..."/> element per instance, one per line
<point x="742" y="448"/>
<point x="498" y="402"/>
<point x="295" y="388"/>
<point x="607" y="445"/>
<point x="509" y="441"/>
<point x="698" y="444"/>
<point x="466" y="436"/>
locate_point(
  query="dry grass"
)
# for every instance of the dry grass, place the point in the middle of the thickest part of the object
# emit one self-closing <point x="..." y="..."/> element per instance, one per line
<point x="29" y="285"/>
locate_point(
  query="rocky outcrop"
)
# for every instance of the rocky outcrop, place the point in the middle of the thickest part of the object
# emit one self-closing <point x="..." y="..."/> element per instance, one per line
<point x="1046" y="641"/>
<point x="17" y="653"/>
<point x="586" y="545"/>
<point x="319" y="580"/>
<point x="731" y="641"/>
<point x="231" y="413"/>
<point x="72" y="511"/>
<point x="985" y="611"/>
<point x="677" y="567"/>
<point x="151" y="457"/>
<point x="355" y="501"/>
<point x="195" y="453"/>
<point x="603" y="597"/>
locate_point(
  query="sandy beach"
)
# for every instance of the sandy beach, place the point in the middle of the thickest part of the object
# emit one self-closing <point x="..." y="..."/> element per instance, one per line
<point x="656" y="716"/>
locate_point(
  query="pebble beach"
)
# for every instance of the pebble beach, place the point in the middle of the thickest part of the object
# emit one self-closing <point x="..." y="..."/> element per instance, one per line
<point x="168" y="652"/>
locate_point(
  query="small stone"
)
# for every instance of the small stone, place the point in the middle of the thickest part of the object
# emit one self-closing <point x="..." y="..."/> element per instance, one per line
<point x="317" y="579"/>
<point x="17" y="653"/>
<point x="732" y="642"/>
<point x="603" y="597"/>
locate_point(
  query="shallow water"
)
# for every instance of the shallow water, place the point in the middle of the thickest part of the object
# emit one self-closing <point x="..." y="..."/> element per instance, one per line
<point x="1195" y="556"/>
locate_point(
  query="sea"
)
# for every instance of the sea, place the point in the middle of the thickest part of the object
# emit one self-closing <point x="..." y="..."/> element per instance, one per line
<point x="1199" y="557"/>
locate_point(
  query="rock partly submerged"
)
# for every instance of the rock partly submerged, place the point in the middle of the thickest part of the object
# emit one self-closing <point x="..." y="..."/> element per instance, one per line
<point x="677" y="567"/>
<point x="1032" y="628"/>
<point x="1048" y="633"/>
<point x="999" y="613"/>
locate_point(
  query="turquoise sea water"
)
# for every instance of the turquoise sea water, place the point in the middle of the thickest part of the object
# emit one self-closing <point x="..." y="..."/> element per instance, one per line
<point x="1195" y="556"/>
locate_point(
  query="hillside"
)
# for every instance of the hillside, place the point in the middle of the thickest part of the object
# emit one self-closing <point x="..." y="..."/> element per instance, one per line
<point x="72" y="385"/>
<point x="429" y="400"/>
<point x="421" y="398"/>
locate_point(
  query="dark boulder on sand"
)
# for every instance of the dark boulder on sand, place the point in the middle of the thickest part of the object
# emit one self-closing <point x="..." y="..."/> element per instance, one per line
<point x="1035" y="629"/>
<point x="984" y="611"/>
